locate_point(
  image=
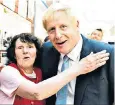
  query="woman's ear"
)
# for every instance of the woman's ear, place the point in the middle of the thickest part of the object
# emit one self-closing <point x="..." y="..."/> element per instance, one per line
<point x="15" y="57"/>
<point x="1" y="66"/>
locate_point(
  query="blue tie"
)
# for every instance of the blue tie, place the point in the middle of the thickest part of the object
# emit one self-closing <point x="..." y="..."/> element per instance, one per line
<point x="62" y="93"/>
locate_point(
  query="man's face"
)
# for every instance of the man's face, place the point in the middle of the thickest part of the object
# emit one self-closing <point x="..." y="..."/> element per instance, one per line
<point x="97" y="35"/>
<point x="63" y="32"/>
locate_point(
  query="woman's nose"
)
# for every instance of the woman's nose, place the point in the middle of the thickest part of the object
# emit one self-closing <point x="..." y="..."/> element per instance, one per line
<point x="25" y="50"/>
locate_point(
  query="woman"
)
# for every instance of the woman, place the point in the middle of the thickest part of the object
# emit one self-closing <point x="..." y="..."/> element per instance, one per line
<point x="20" y="80"/>
<point x="23" y="53"/>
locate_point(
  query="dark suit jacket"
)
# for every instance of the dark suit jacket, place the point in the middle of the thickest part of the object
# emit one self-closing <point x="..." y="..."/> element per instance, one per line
<point x="95" y="88"/>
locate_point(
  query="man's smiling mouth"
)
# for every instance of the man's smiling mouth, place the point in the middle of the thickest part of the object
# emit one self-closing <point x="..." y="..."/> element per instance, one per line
<point x="61" y="42"/>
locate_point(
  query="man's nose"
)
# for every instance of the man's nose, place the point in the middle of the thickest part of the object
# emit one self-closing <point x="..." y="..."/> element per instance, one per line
<point x="58" y="34"/>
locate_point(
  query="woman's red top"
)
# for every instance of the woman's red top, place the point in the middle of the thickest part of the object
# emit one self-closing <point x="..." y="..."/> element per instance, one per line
<point x="22" y="101"/>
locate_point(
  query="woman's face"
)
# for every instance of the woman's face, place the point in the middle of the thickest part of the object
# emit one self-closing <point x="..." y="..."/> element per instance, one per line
<point x="25" y="54"/>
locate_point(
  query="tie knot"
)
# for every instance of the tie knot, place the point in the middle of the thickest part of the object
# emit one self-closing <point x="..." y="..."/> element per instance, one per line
<point x="65" y="58"/>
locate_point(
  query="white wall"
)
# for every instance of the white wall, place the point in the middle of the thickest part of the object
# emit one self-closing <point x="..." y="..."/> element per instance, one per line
<point x="95" y="14"/>
<point x="38" y="29"/>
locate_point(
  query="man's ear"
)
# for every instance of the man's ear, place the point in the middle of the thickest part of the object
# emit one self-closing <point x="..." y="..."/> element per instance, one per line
<point x="77" y="24"/>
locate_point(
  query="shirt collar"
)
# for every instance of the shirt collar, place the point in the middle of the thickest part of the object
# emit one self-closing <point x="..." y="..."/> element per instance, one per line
<point x="75" y="51"/>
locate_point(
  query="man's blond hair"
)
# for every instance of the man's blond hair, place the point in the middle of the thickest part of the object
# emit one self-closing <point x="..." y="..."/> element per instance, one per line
<point x="55" y="8"/>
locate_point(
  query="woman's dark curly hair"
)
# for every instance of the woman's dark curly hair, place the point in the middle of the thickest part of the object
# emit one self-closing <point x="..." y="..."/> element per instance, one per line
<point x="25" y="38"/>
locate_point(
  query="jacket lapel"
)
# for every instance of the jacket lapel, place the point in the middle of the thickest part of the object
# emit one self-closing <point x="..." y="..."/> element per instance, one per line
<point x="82" y="80"/>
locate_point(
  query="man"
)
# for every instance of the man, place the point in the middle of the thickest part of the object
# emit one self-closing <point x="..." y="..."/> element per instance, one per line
<point x="97" y="34"/>
<point x="95" y="88"/>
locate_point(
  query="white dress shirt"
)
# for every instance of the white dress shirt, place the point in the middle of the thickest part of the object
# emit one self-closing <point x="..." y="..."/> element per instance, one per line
<point x="74" y="56"/>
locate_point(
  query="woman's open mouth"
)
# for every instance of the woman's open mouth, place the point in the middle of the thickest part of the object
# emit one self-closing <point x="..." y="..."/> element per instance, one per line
<point x="26" y="58"/>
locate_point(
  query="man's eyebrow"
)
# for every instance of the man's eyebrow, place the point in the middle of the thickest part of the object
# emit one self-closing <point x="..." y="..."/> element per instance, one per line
<point x="51" y="28"/>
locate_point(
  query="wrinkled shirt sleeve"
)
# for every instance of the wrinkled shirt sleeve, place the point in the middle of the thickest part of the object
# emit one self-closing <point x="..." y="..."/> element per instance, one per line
<point x="10" y="79"/>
